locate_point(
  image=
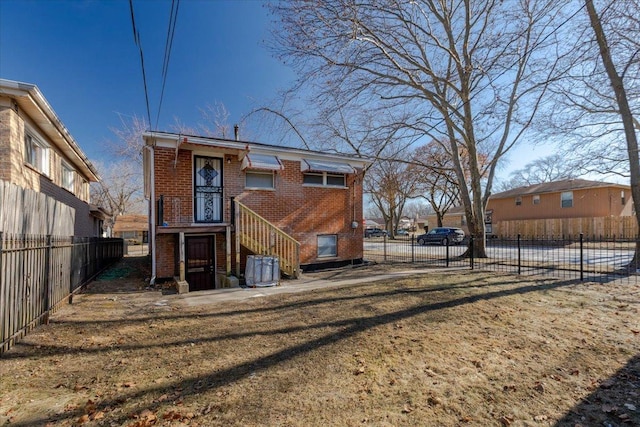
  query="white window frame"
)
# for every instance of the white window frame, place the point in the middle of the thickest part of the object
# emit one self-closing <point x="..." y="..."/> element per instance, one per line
<point x="566" y="199"/>
<point x="325" y="179"/>
<point x="536" y="199"/>
<point x="518" y="200"/>
<point x="36" y="153"/>
<point x="68" y="174"/>
<point x="327" y="246"/>
<point x="249" y="173"/>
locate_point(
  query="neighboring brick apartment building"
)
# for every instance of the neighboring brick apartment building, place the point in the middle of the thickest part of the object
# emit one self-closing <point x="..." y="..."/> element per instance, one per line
<point x="566" y="205"/>
<point x="38" y="153"/>
<point x="216" y="201"/>
<point x="571" y="198"/>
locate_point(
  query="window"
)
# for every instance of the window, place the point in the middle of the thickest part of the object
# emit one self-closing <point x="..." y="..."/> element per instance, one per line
<point x="313" y="178"/>
<point x="259" y="179"/>
<point x="518" y="201"/>
<point x="335" y="180"/>
<point x="36" y="154"/>
<point x="567" y="199"/>
<point x="325" y="178"/>
<point x="536" y="200"/>
<point x="67" y="177"/>
<point x="622" y="198"/>
<point x="327" y="246"/>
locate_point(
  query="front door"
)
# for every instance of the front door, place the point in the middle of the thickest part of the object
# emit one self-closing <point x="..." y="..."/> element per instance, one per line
<point x="201" y="262"/>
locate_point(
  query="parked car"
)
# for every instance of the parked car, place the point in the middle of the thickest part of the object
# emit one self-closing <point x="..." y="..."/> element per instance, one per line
<point x="375" y="232"/>
<point x="442" y="235"/>
<point x="402" y="233"/>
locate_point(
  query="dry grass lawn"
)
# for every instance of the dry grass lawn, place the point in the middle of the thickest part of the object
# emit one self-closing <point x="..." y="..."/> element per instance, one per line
<point x="443" y="349"/>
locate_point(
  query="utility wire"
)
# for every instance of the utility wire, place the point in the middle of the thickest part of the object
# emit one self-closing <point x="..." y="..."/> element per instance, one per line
<point x="136" y="38"/>
<point x="171" y="30"/>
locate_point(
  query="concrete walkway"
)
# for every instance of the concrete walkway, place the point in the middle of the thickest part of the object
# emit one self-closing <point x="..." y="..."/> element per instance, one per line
<point x="309" y="281"/>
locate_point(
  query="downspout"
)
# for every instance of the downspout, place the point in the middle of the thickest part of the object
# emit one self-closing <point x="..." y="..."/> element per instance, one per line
<point x="152" y="214"/>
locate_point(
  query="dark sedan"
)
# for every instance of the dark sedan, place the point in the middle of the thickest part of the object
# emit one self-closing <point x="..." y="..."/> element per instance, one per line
<point x="442" y="235"/>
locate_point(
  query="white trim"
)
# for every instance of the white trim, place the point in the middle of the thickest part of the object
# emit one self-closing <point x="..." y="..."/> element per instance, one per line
<point x="240" y="148"/>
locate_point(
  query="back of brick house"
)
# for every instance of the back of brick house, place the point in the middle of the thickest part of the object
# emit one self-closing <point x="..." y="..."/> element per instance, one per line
<point x="214" y="202"/>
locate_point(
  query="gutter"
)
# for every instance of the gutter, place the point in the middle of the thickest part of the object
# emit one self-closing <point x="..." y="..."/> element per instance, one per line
<point x="152" y="212"/>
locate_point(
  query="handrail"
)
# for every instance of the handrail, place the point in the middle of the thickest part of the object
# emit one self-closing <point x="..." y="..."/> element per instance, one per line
<point x="262" y="237"/>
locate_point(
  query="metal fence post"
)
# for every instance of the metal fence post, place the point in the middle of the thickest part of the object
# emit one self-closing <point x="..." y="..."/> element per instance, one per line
<point x="519" y="259"/>
<point x="581" y="258"/>
<point x="447" y="251"/>
<point x="413" y="249"/>
<point x="384" y="245"/>
<point x="471" y="251"/>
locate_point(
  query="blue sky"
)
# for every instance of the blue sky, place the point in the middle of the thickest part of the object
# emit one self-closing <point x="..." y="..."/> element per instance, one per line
<point x="82" y="56"/>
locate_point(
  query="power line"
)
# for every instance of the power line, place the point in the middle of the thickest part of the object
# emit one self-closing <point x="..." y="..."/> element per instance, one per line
<point x="136" y="38"/>
<point x="171" y="30"/>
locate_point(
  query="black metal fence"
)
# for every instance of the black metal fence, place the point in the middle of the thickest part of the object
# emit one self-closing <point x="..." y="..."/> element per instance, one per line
<point x="38" y="273"/>
<point x="580" y="257"/>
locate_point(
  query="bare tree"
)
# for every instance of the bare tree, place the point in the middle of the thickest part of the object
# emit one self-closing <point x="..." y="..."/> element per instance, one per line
<point x="437" y="184"/>
<point x="390" y="185"/>
<point x="472" y="72"/>
<point x="584" y="113"/>
<point x="215" y="115"/>
<point x="128" y="143"/>
<point x="554" y="167"/>
<point x="616" y="72"/>
<point x="119" y="191"/>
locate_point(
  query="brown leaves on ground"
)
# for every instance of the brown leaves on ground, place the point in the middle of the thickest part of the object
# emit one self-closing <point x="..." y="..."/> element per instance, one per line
<point x="462" y="348"/>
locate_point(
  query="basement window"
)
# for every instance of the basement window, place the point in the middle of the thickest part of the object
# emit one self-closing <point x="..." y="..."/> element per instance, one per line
<point x="327" y="246"/>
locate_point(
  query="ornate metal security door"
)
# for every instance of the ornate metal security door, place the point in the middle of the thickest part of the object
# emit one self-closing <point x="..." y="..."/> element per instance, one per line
<point x="208" y="189"/>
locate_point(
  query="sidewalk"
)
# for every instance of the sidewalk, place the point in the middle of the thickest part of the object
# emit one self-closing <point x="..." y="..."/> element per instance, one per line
<point x="309" y="282"/>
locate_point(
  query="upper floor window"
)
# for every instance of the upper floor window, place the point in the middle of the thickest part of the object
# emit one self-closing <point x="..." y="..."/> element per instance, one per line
<point x="331" y="174"/>
<point x="567" y="199"/>
<point x="518" y="201"/>
<point x="36" y="154"/>
<point x="536" y="200"/>
<point x="325" y="178"/>
<point x="67" y="177"/>
<point x="259" y="179"/>
<point x="622" y="198"/>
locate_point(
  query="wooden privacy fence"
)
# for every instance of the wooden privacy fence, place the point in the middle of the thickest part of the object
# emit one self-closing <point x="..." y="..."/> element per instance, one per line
<point x="39" y="272"/>
<point x="25" y="211"/>
<point x="624" y="227"/>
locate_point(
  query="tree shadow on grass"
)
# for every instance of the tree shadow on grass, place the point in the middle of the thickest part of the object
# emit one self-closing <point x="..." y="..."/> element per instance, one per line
<point x="616" y="401"/>
<point x="346" y="329"/>
<point x="315" y="300"/>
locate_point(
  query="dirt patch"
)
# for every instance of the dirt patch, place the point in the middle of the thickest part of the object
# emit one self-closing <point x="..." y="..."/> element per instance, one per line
<point x="446" y="349"/>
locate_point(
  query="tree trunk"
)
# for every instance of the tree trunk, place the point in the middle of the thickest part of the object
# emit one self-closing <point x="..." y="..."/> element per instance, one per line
<point x="625" y="114"/>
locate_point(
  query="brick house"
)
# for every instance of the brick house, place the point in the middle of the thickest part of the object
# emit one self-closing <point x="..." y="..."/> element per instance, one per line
<point x="562" y="207"/>
<point x="44" y="174"/>
<point x="132" y="228"/>
<point x="217" y="201"/>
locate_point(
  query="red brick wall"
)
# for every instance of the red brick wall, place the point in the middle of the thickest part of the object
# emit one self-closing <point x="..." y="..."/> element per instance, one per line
<point x="304" y="212"/>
